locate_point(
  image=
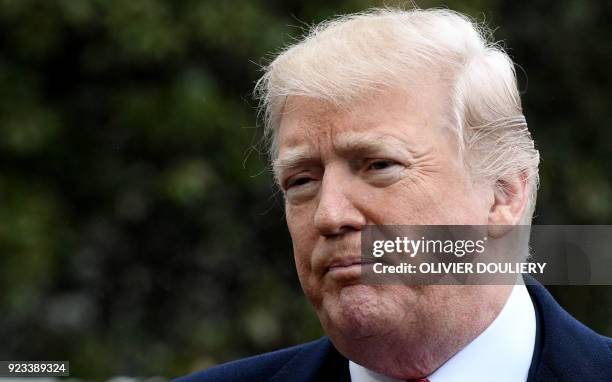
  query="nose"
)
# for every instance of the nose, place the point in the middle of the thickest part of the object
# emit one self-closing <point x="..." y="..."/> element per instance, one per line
<point x="336" y="211"/>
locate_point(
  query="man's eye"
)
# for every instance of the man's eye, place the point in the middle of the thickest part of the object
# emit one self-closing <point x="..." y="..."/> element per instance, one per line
<point x="380" y="164"/>
<point x="298" y="182"/>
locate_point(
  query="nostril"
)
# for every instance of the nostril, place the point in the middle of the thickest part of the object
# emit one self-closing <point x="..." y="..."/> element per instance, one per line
<point x="343" y="230"/>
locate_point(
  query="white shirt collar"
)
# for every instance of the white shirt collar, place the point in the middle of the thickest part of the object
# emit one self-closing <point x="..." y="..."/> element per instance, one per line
<point x="501" y="353"/>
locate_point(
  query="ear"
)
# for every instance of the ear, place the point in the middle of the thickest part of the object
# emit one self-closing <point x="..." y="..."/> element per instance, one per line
<point x="509" y="204"/>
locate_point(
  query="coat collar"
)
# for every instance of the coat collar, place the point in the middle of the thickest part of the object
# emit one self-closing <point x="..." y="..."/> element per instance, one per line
<point x="316" y="361"/>
<point x="566" y="350"/>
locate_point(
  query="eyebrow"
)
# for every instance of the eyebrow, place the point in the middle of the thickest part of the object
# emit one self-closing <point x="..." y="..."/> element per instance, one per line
<point x="294" y="158"/>
<point x="345" y="145"/>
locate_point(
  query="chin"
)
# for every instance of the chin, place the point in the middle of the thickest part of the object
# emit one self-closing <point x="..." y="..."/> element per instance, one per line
<point x="358" y="311"/>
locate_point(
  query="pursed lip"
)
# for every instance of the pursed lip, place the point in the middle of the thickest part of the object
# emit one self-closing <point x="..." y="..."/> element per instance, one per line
<point x="347" y="263"/>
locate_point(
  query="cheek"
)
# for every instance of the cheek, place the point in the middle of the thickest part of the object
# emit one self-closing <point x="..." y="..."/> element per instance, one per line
<point x="300" y="225"/>
<point x="302" y="251"/>
<point x="406" y="202"/>
<point x="465" y="203"/>
<point x="428" y="201"/>
<point x="303" y="238"/>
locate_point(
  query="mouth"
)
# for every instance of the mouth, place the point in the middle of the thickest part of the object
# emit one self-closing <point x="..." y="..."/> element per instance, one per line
<point x="344" y="264"/>
<point x="345" y="268"/>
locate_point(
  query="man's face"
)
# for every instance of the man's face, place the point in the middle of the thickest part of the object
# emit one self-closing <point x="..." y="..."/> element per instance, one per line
<point x="389" y="159"/>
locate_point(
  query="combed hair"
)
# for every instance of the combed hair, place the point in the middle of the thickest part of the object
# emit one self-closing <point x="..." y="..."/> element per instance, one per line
<point x="354" y="56"/>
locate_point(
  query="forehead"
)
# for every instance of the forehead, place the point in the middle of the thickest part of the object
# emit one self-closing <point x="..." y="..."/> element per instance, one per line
<point x="415" y="114"/>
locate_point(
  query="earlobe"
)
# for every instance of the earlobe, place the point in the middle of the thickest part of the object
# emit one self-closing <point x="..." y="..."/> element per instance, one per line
<point x="509" y="204"/>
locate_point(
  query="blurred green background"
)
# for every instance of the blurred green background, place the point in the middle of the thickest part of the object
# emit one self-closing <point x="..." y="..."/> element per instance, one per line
<point x="140" y="233"/>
